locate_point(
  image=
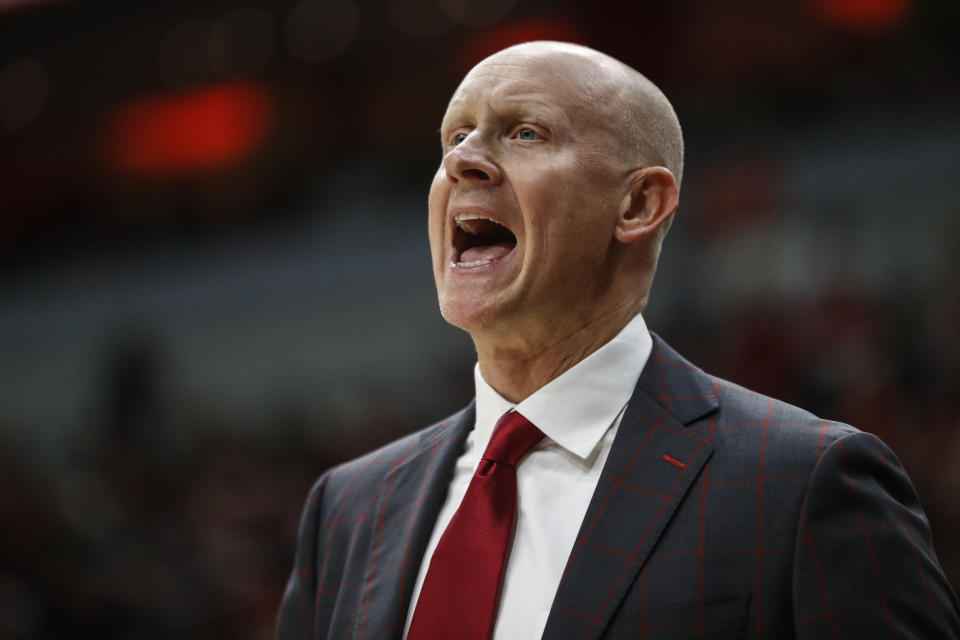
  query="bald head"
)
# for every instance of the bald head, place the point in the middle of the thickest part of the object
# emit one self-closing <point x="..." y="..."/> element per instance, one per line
<point x="557" y="184"/>
<point x="640" y="119"/>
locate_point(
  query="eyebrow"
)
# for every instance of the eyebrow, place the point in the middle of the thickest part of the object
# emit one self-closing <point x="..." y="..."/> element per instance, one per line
<point x="521" y="106"/>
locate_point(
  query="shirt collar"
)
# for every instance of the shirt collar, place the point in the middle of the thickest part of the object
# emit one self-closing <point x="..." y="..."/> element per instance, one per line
<point x="577" y="407"/>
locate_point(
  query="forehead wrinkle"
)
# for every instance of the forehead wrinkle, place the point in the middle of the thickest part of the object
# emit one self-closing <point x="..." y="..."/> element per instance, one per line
<point x="498" y="76"/>
<point x="490" y="107"/>
<point x="527" y="103"/>
<point x="582" y="82"/>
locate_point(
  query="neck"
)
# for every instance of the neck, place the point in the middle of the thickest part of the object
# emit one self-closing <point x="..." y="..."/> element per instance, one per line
<point x="518" y="366"/>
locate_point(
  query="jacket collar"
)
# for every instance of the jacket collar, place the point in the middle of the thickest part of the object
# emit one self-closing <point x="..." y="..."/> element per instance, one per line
<point x="658" y="459"/>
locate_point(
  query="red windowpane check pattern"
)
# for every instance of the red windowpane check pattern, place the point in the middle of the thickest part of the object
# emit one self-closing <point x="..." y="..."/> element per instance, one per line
<point x="460" y="592"/>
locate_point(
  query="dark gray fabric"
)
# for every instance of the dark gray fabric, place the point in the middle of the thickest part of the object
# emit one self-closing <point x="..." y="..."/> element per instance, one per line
<point x="720" y="513"/>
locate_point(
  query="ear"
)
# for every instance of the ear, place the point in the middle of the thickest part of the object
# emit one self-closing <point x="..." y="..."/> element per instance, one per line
<point x="652" y="198"/>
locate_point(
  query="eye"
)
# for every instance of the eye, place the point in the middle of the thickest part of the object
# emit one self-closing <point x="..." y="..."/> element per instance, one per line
<point x="526" y="133"/>
<point x="460" y="137"/>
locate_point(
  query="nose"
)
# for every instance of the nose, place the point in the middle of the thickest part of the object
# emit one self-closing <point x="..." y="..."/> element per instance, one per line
<point x="470" y="163"/>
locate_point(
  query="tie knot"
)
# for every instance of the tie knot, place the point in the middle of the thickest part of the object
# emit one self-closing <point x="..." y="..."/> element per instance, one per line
<point x="513" y="436"/>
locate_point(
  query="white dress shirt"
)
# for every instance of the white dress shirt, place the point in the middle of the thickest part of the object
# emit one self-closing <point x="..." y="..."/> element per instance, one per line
<point x="579" y="412"/>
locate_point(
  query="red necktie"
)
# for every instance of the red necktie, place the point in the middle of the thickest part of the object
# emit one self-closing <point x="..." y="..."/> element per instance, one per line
<point x="458" y="600"/>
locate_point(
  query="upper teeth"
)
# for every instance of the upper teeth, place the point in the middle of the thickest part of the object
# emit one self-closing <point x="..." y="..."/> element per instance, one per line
<point x="467" y="217"/>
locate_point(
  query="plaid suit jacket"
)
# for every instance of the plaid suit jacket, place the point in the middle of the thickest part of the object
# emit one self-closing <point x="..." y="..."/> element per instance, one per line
<point x="720" y="513"/>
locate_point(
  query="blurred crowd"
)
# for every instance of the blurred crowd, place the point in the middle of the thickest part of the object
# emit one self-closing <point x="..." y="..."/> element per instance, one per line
<point x="127" y="541"/>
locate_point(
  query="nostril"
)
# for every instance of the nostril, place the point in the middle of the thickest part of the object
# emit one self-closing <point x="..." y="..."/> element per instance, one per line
<point x="476" y="174"/>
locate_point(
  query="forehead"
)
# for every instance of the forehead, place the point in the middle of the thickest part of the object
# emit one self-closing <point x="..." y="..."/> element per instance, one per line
<point x="550" y="84"/>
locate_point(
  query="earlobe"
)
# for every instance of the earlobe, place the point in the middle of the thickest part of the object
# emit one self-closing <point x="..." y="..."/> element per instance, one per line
<point x="652" y="199"/>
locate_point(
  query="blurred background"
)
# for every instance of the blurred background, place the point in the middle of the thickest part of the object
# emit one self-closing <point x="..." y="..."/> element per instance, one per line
<point x="214" y="273"/>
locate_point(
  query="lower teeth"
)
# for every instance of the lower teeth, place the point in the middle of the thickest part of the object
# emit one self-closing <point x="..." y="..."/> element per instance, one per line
<point x="476" y="263"/>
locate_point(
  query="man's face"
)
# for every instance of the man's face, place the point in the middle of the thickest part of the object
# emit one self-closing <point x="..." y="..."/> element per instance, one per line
<point x="523" y="206"/>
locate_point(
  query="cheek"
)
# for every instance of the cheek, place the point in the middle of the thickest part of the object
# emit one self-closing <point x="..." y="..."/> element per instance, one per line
<point x="569" y="213"/>
<point x="547" y="197"/>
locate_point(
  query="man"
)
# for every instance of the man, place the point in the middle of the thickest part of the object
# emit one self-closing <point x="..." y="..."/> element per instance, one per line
<point x="648" y="498"/>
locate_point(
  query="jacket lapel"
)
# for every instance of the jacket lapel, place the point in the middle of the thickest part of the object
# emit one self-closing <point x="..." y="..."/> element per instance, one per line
<point x="405" y="512"/>
<point x="652" y="463"/>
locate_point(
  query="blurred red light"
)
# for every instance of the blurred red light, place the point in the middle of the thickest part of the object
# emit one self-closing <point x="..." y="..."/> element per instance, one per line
<point x="206" y="129"/>
<point x="863" y="15"/>
<point x="484" y="42"/>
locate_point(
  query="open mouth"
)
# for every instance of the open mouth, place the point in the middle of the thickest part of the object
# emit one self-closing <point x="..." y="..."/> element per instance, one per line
<point x="478" y="240"/>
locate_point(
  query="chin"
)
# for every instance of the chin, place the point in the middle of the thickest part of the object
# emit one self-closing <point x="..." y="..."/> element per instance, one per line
<point x="466" y="315"/>
<point x="457" y="316"/>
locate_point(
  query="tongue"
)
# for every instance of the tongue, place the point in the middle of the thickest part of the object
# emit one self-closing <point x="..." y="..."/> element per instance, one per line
<point x="487" y="252"/>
